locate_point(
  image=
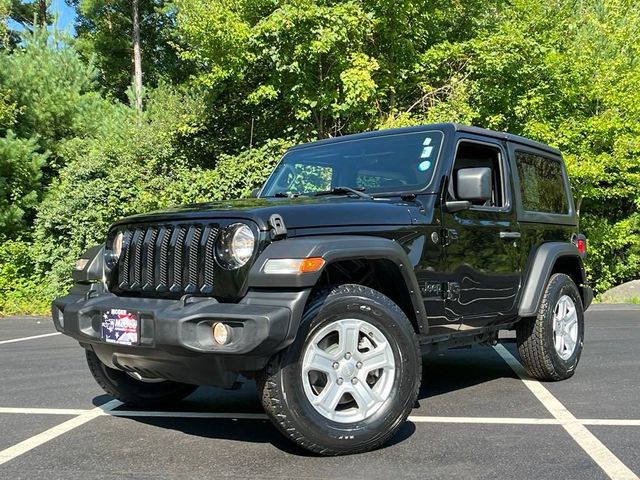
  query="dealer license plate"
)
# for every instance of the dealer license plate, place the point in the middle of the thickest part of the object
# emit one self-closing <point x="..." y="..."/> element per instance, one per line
<point x="120" y="326"/>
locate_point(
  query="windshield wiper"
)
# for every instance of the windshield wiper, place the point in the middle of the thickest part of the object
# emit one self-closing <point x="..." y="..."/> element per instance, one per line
<point x="286" y="195"/>
<point x="345" y="191"/>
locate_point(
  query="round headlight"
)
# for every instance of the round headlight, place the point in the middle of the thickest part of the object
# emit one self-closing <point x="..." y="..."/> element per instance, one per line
<point x="112" y="255"/>
<point x="116" y="249"/>
<point x="235" y="246"/>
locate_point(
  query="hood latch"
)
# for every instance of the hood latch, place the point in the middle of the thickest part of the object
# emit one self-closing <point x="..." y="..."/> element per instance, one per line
<point x="278" y="229"/>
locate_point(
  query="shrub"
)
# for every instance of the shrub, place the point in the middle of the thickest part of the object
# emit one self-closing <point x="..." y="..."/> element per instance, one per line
<point x="22" y="291"/>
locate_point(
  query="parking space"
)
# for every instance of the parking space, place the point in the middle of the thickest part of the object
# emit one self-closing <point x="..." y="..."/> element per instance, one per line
<point x="475" y="419"/>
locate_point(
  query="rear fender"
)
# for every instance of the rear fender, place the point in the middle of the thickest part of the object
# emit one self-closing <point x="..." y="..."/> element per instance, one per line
<point x="541" y="267"/>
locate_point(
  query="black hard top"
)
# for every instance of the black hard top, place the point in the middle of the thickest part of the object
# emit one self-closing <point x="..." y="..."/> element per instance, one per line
<point x="447" y="128"/>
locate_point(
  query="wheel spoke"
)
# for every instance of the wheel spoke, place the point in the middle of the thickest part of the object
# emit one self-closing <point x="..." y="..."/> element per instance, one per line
<point x="364" y="395"/>
<point x="568" y="342"/>
<point x="560" y="344"/>
<point x="319" y="360"/>
<point x="571" y="320"/>
<point x="378" y="358"/>
<point x="567" y="308"/>
<point x="349" y="333"/>
<point x="330" y="396"/>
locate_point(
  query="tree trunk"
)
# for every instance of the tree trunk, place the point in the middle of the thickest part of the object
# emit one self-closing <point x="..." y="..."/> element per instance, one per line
<point x="137" y="56"/>
<point x="42" y="13"/>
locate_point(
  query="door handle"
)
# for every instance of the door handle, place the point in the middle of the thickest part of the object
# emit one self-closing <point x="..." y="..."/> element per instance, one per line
<point x="509" y="235"/>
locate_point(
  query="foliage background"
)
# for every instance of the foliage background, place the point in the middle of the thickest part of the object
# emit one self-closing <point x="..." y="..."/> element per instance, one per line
<point x="229" y="84"/>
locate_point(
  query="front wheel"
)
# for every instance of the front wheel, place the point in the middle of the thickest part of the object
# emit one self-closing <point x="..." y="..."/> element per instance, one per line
<point x="550" y="344"/>
<point x="351" y="377"/>
<point x="134" y="390"/>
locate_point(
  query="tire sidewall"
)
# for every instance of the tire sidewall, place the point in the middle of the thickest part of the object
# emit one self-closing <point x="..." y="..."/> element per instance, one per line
<point x="398" y="332"/>
<point x="560" y="285"/>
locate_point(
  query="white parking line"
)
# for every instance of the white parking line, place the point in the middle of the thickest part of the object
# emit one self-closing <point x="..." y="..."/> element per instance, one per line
<point x="484" y="420"/>
<point x="14" y="340"/>
<point x="47" y="411"/>
<point x="614" y="422"/>
<point x="37" y="440"/>
<point x="608" y="462"/>
<point x="212" y="415"/>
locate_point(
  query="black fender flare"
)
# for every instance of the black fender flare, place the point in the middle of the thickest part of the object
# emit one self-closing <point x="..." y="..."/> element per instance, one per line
<point x="93" y="270"/>
<point x="539" y="271"/>
<point x="333" y="248"/>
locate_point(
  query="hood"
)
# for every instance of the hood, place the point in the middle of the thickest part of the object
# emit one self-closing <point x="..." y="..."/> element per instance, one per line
<point x="301" y="212"/>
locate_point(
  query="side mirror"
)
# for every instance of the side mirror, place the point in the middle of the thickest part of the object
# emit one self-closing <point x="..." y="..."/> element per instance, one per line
<point x="474" y="184"/>
<point x="254" y="193"/>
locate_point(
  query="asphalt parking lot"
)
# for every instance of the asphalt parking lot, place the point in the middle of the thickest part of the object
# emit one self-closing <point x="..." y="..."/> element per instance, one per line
<point x="476" y="418"/>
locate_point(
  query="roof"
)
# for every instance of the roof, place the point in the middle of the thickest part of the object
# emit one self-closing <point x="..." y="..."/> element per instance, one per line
<point x="449" y="128"/>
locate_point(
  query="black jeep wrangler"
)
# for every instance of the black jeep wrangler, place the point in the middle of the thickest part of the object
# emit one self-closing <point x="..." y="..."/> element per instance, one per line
<point x="359" y="254"/>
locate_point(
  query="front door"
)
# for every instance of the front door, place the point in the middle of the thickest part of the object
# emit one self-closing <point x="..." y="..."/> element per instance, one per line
<point x="483" y="271"/>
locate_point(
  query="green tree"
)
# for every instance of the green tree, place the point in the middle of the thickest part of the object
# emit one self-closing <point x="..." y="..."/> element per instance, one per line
<point x="26" y="15"/>
<point x="20" y="172"/>
<point x="308" y="69"/>
<point x="105" y="33"/>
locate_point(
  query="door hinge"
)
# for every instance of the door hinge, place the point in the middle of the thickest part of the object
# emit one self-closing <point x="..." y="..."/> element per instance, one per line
<point x="448" y="236"/>
<point x="452" y="291"/>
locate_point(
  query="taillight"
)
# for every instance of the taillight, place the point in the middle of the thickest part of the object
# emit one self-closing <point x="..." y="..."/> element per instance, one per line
<point x="580" y="241"/>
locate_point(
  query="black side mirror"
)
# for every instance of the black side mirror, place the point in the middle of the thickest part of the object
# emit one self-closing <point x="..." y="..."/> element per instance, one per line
<point x="474" y="184"/>
<point x="254" y="193"/>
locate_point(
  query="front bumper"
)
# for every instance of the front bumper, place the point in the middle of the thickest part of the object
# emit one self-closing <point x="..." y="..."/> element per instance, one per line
<point x="175" y="335"/>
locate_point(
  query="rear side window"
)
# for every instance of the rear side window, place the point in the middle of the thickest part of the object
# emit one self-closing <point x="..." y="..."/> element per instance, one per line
<point x="541" y="183"/>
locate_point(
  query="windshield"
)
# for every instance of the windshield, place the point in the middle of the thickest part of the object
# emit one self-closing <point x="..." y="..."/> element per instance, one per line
<point x="389" y="163"/>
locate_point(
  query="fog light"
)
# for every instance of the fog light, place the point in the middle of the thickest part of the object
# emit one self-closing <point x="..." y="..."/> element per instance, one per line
<point x="221" y="333"/>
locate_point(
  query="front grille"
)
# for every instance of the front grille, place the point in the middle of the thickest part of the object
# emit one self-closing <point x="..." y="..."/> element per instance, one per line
<point x="175" y="259"/>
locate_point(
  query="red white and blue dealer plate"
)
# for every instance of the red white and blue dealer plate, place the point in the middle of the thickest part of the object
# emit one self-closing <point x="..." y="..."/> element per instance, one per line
<point x="120" y="326"/>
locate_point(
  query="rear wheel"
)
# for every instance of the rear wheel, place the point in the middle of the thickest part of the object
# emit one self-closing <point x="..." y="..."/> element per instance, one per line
<point x="350" y="379"/>
<point x="134" y="390"/>
<point x="550" y="344"/>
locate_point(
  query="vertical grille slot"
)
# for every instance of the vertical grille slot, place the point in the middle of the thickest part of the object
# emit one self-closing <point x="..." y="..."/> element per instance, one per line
<point x="136" y="246"/>
<point x="194" y="250"/>
<point x="164" y="260"/>
<point x="150" y="263"/>
<point x="178" y="259"/>
<point x="209" y="267"/>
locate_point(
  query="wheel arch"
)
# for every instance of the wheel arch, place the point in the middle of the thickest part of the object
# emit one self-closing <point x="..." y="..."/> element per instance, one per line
<point x="550" y="258"/>
<point x="344" y="256"/>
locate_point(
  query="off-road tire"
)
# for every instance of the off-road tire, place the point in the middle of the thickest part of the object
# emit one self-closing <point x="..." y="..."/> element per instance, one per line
<point x="535" y="335"/>
<point x="134" y="392"/>
<point x="282" y="392"/>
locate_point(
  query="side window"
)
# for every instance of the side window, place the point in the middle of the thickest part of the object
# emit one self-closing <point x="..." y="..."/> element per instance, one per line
<point x="470" y="155"/>
<point x="541" y="183"/>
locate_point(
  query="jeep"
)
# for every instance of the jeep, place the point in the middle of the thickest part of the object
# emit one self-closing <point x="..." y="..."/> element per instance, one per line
<point x="357" y="256"/>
